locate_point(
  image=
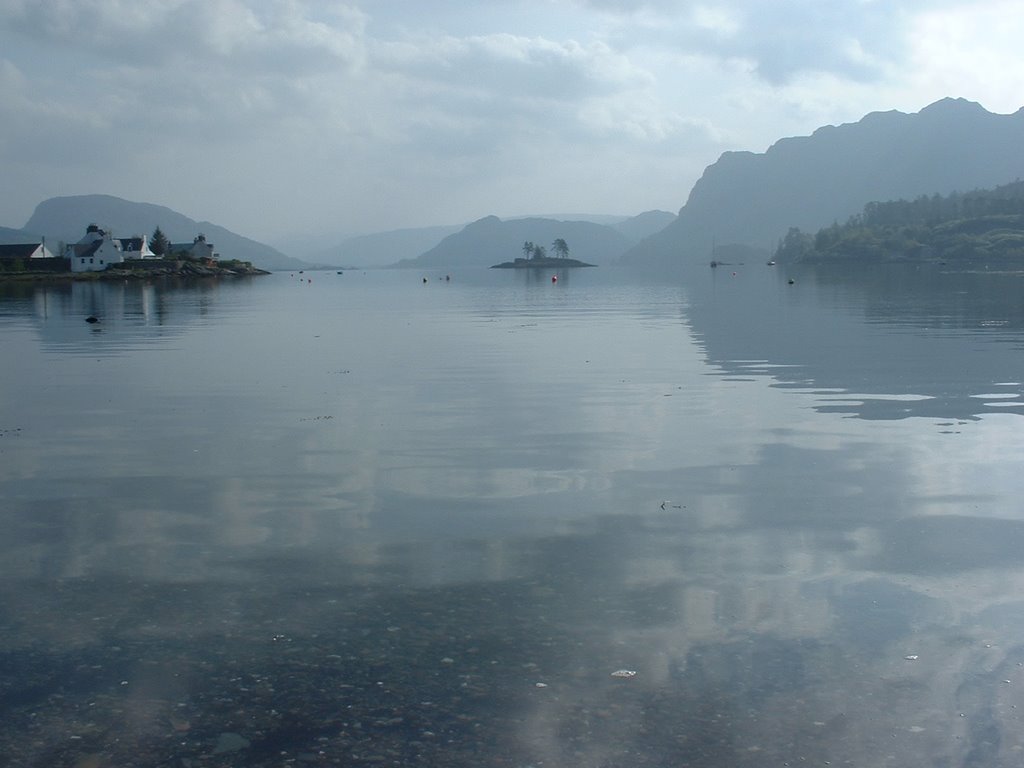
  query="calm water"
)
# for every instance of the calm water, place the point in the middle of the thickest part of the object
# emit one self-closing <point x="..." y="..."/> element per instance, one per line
<point x="358" y="519"/>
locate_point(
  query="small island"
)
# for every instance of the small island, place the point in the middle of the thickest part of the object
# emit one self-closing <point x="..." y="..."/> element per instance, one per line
<point x="536" y="257"/>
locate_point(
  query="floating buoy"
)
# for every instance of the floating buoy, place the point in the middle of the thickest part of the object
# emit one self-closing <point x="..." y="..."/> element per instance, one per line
<point x="734" y="274"/>
<point x="554" y="278"/>
<point x="92" y="319"/>
<point x="424" y="281"/>
<point x="791" y="281"/>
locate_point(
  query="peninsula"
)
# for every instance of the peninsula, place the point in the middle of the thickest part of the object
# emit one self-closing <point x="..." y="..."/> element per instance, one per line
<point x="129" y="271"/>
<point x="100" y="256"/>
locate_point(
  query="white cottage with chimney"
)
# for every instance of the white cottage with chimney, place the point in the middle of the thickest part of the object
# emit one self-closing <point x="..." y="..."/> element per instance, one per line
<point x="98" y="250"/>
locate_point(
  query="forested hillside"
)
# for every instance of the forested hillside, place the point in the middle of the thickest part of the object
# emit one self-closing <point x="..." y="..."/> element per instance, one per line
<point x="978" y="225"/>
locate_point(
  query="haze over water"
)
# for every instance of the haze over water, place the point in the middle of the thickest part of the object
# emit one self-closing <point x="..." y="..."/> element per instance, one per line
<point x="358" y="519"/>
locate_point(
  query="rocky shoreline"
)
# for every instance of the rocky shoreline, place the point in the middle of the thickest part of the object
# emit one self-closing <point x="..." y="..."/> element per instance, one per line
<point x="150" y="270"/>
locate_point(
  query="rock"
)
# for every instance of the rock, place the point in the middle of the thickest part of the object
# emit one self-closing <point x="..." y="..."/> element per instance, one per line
<point x="230" y="742"/>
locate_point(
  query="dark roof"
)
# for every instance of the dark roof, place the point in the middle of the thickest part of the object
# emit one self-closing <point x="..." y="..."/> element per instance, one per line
<point x="18" y="250"/>
<point x="82" y="250"/>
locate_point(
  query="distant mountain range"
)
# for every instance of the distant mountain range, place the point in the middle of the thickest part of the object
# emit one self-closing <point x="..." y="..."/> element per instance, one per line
<point x="491" y="240"/>
<point x="382" y="249"/>
<point x="409" y="247"/>
<point x="9" y="235"/>
<point x="64" y="220"/>
<point x="812" y="181"/>
<point x="743" y="202"/>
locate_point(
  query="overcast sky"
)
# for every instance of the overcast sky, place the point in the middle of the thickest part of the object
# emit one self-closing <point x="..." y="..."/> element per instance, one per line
<point x="280" y="117"/>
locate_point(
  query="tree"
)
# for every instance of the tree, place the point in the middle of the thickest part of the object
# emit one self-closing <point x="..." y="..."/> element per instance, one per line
<point x="528" y="249"/>
<point x="561" y="248"/>
<point x="540" y="252"/>
<point x="158" y="243"/>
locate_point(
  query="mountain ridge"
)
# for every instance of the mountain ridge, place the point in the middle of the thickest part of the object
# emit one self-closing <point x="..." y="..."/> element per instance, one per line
<point x="810" y="181"/>
<point x="491" y="240"/>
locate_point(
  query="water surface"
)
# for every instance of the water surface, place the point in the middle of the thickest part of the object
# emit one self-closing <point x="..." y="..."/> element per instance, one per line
<point x="347" y="519"/>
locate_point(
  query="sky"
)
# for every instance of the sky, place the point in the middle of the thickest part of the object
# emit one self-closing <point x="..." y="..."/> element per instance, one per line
<point x="286" y="120"/>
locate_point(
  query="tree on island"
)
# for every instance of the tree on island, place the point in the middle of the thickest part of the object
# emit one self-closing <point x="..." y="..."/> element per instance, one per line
<point x="533" y="251"/>
<point x="158" y="243"/>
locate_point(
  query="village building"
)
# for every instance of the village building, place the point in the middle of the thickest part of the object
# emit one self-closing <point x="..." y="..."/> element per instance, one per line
<point x="136" y="247"/>
<point x="23" y="252"/>
<point x="198" y="249"/>
<point x="98" y="250"/>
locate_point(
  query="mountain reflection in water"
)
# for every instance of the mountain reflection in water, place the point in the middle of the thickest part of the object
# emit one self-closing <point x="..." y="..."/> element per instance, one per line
<point x="369" y="520"/>
<point x="884" y="342"/>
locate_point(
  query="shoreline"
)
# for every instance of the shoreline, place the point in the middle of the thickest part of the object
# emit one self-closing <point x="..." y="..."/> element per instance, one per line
<point x="547" y="263"/>
<point x="179" y="269"/>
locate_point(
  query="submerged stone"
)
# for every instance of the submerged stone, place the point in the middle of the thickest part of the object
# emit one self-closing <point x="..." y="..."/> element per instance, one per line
<point x="230" y="742"/>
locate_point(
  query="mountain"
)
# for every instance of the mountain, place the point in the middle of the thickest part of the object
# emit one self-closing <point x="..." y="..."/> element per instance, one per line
<point x="490" y="240"/>
<point x="383" y="248"/>
<point x="644" y="225"/>
<point x="405" y="245"/>
<point x="65" y="219"/>
<point x="812" y="181"/>
<point x="14" y="236"/>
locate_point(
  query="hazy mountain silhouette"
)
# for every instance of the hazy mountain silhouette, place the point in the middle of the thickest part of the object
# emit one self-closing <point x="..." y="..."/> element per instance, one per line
<point x="644" y="225"/>
<point x="491" y="240"/>
<point x="812" y="181"/>
<point x="65" y="219"/>
<point x="8" y="235"/>
<point x="381" y="249"/>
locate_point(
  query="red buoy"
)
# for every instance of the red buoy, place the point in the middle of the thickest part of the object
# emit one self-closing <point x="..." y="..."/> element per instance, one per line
<point x="554" y="278"/>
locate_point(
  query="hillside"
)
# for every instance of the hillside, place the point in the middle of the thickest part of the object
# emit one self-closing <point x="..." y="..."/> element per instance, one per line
<point x="65" y="219"/>
<point x="809" y="182"/>
<point x="644" y="225"/>
<point x="381" y="249"/>
<point x="491" y="240"/>
<point x="982" y="225"/>
<point x="8" y="235"/>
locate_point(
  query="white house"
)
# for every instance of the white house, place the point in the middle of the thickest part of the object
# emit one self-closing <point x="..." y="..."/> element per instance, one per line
<point x="136" y="247"/>
<point x="98" y="250"/>
<point x="94" y="252"/>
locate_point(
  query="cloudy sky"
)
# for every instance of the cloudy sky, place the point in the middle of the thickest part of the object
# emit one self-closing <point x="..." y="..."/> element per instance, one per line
<point x="281" y="118"/>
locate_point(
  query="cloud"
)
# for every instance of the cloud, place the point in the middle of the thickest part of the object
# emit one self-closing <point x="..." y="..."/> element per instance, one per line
<point x="405" y="114"/>
<point x="283" y="36"/>
<point x="855" y="40"/>
<point x="509" y="68"/>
